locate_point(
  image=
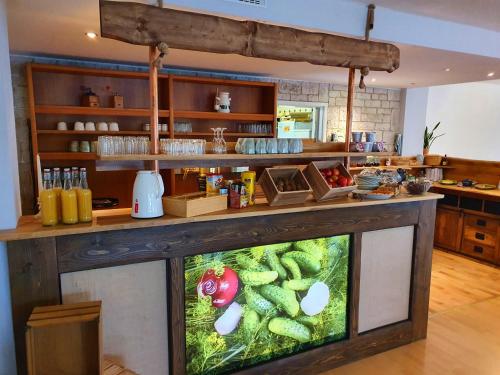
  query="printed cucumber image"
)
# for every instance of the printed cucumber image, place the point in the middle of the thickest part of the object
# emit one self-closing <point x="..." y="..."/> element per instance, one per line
<point x="248" y="306"/>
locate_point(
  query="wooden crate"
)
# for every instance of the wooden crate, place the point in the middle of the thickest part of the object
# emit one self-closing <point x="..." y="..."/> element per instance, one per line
<point x="110" y="367"/>
<point x="321" y="190"/>
<point x="194" y="204"/>
<point x="280" y="198"/>
<point x="65" y="339"/>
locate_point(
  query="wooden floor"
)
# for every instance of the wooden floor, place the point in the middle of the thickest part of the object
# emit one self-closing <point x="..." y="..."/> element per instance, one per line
<point x="464" y="326"/>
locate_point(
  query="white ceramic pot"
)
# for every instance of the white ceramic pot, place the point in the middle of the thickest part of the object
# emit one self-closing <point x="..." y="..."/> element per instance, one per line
<point x="223" y="102"/>
<point x="148" y="191"/>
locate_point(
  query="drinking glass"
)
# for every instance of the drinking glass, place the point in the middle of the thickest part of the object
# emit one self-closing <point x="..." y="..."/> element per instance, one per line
<point x="260" y="146"/>
<point x="282" y="146"/>
<point x="272" y="146"/>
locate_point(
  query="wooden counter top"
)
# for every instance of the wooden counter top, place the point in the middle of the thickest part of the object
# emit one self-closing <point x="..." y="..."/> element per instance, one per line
<point x="485" y="194"/>
<point x="107" y="220"/>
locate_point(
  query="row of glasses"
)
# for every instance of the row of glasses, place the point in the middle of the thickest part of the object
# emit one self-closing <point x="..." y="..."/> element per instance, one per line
<point x="183" y="127"/>
<point x="117" y="145"/>
<point x="255" y="128"/>
<point x="182" y="146"/>
<point x="269" y="146"/>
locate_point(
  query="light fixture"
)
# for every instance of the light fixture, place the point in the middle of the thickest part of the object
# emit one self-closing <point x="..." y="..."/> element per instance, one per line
<point x="491" y="74"/>
<point x="374" y="79"/>
<point x="447" y="69"/>
<point x="91" y="35"/>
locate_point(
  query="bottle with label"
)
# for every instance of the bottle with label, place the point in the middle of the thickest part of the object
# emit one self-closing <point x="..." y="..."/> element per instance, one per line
<point x="57" y="187"/>
<point x="48" y="201"/>
<point x="444" y="162"/>
<point x="69" y="200"/>
<point x="84" y="197"/>
<point x="248" y="178"/>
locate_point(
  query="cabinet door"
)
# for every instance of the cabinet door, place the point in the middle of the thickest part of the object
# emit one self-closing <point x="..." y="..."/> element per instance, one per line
<point x="448" y="231"/>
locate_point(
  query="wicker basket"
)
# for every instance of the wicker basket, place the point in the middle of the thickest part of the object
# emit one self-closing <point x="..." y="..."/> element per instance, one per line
<point x="432" y="159"/>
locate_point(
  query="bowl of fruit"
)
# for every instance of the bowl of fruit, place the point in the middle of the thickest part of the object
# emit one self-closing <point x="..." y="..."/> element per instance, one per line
<point x="329" y="180"/>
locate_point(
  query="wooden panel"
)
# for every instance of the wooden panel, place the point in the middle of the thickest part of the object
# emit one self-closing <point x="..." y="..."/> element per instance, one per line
<point x="422" y="265"/>
<point x="65" y="339"/>
<point x="148" y="25"/>
<point x="479" y="250"/>
<point x="448" y="230"/>
<point x="486" y="172"/>
<point x="355" y="285"/>
<point x="385" y="277"/>
<point x="134" y="311"/>
<point x="34" y="281"/>
<point x="85" y="251"/>
<point x="480" y="236"/>
<point x="177" y="323"/>
<point x="481" y="222"/>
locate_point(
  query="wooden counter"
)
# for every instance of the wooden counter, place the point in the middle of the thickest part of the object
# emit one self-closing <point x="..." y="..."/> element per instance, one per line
<point x="468" y="191"/>
<point x="119" y="219"/>
<point x="387" y="302"/>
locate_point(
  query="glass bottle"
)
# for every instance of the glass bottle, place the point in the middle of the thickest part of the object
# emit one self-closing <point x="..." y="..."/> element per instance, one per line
<point x="444" y="162"/>
<point x="57" y="187"/>
<point x="84" y="197"/>
<point x="69" y="200"/>
<point x="75" y="178"/>
<point x="48" y="199"/>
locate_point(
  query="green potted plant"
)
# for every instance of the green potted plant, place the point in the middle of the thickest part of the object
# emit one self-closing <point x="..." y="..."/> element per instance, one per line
<point x="429" y="137"/>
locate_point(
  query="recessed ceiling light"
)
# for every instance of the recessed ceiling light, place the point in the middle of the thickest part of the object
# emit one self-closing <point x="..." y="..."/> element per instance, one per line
<point x="491" y="74"/>
<point x="447" y="69"/>
<point x="374" y="79"/>
<point x="412" y="83"/>
<point x="91" y="35"/>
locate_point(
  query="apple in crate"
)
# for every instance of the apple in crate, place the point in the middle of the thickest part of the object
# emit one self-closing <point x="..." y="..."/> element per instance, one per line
<point x="334" y="179"/>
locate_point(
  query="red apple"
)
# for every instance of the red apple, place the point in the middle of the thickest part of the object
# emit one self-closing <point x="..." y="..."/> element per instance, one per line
<point x="335" y="172"/>
<point x="329" y="173"/>
<point x="349" y="181"/>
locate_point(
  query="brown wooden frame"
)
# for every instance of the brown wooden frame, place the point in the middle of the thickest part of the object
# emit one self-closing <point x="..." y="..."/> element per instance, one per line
<point x="35" y="266"/>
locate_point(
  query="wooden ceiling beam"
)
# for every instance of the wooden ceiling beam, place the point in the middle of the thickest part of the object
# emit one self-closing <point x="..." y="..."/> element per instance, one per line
<point x="143" y="24"/>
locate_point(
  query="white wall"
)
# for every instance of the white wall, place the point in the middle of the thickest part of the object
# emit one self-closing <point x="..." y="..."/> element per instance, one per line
<point x="470" y="117"/>
<point x="414" y="120"/>
<point x="9" y="194"/>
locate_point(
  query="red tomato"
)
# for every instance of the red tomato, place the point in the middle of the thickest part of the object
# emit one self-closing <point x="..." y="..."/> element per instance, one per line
<point x="349" y="181"/>
<point x="335" y="171"/>
<point x="328" y="173"/>
<point x="222" y="289"/>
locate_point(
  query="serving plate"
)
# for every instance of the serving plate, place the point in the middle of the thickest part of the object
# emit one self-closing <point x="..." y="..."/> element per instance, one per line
<point x="485" y="186"/>
<point x="448" y="182"/>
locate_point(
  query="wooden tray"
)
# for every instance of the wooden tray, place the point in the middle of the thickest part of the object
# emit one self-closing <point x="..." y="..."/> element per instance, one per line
<point x="321" y="190"/>
<point x="280" y="198"/>
<point x="194" y="204"/>
<point x="65" y="339"/>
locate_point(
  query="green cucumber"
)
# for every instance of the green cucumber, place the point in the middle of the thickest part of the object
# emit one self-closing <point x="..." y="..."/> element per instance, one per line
<point x="250" y="323"/>
<point x="283" y="298"/>
<point x="298" y="285"/>
<point x="258" y="303"/>
<point x="292" y="266"/>
<point x="250" y="264"/>
<point x="290" y="328"/>
<point x="280" y="247"/>
<point x="274" y="262"/>
<point x="315" y="248"/>
<point x="306" y="262"/>
<point x="309" y="321"/>
<point x="255" y="278"/>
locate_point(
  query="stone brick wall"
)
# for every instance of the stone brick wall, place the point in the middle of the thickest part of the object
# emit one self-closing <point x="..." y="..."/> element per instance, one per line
<point x="375" y="109"/>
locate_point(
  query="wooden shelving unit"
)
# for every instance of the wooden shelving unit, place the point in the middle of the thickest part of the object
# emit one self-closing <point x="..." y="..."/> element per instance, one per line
<point x="224" y="116"/>
<point x="95" y="111"/>
<point x="400" y="167"/>
<point x="90" y="133"/>
<point x="65" y="156"/>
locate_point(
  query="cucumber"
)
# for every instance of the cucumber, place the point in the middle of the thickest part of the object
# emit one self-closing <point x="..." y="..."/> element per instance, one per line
<point x="258" y="303"/>
<point x="306" y="262"/>
<point x="250" y="264"/>
<point x="280" y="247"/>
<point x="283" y="298"/>
<point x="309" y="321"/>
<point x="255" y="278"/>
<point x="315" y="248"/>
<point x="274" y="262"/>
<point x="292" y="266"/>
<point x="290" y="328"/>
<point x="298" y="285"/>
<point x="250" y="323"/>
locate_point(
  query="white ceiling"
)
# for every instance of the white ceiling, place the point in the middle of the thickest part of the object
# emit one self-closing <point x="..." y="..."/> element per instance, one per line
<point x="480" y="13"/>
<point x="57" y="27"/>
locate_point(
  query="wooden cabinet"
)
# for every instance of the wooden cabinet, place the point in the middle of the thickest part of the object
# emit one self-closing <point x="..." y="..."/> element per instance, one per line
<point x="448" y="230"/>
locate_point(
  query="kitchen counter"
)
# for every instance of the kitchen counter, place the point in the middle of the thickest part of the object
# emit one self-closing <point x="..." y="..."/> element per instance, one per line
<point x="387" y="259"/>
<point x="119" y="219"/>
<point x="471" y="191"/>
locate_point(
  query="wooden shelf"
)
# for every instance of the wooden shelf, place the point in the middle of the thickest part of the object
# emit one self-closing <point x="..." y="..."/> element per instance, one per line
<point x="224" y="116"/>
<point x="250" y="135"/>
<point x="95" y="111"/>
<point x="76" y="132"/>
<point x="399" y="167"/>
<point x="68" y="156"/>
